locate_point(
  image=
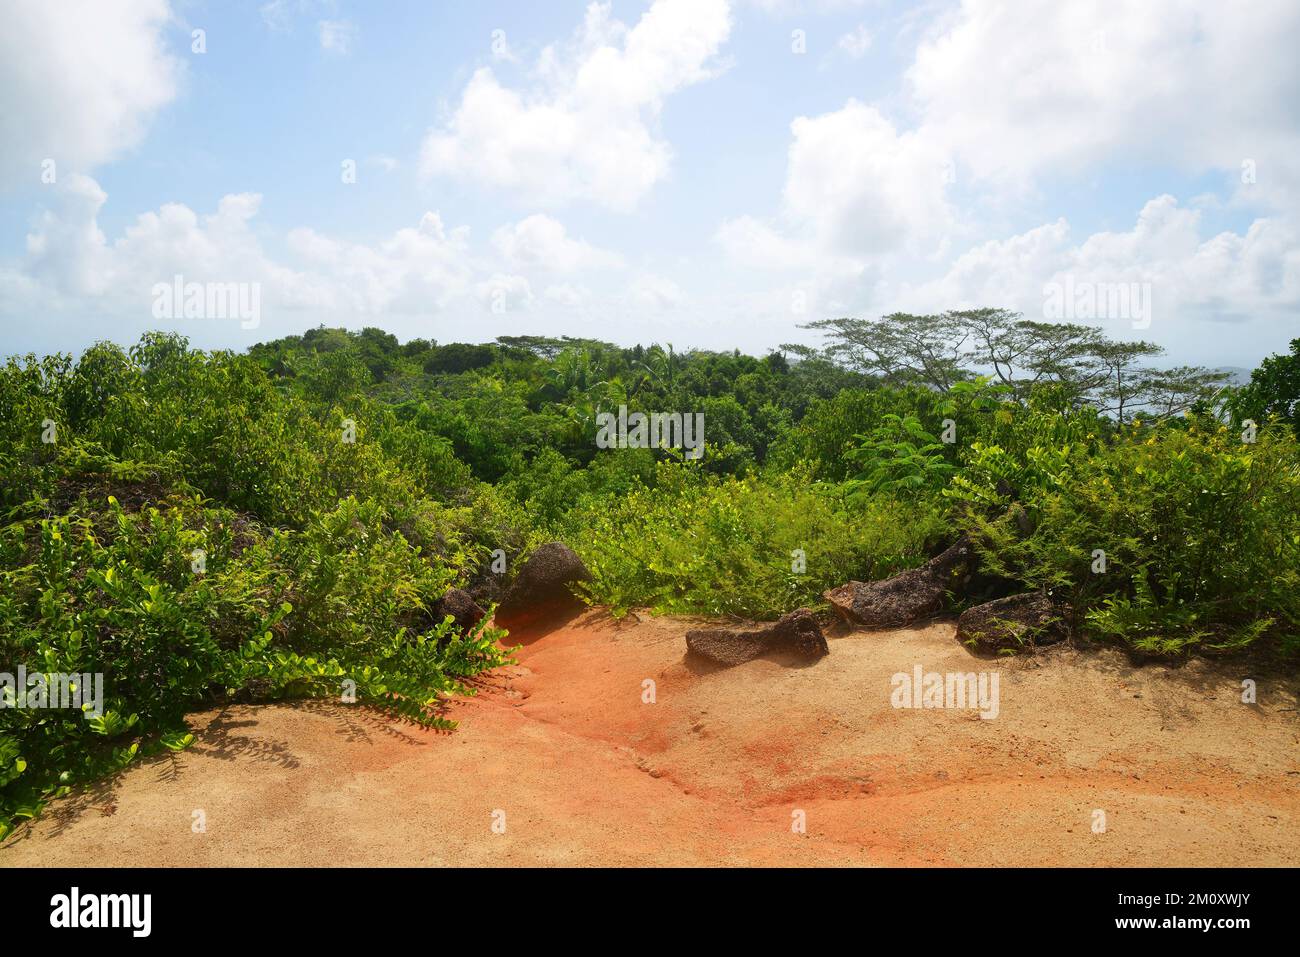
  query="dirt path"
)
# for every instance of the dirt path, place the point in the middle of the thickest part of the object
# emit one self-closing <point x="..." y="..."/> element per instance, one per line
<point x="716" y="769"/>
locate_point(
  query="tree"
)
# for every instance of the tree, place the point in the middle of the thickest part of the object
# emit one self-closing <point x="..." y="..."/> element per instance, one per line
<point x="1171" y="392"/>
<point x="1118" y="381"/>
<point x="1077" y="361"/>
<point x="459" y="357"/>
<point x="660" y="367"/>
<point x="997" y="340"/>
<point x="902" y="349"/>
<point x="1274" y="389"/>
<point x="575" y="369"/>
<point x="776" y="363"/>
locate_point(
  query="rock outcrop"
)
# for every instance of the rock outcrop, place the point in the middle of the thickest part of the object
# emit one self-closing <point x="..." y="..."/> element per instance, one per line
<point x="1012" y="623"/>
<point x="542" y="591"/>
<point x="464" y="609"/>
<point x="797" y="632"/>
<point x="910" y="595"/>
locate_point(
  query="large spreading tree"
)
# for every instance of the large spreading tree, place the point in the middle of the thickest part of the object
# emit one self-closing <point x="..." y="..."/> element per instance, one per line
<point x="1079" y="360"/>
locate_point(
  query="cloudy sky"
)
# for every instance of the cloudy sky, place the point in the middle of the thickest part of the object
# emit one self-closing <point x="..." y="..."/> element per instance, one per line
<point x="700" y="172"/>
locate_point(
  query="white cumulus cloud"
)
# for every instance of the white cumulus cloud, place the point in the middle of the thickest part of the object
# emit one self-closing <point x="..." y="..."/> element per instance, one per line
<point x="1196" y="281"/>
<point x="585" y="127"/>
<point x="856" y="190"/>
<point x="542" y="242"/>
<point x="1019" y="90"/>
<point x="79" y="82"/>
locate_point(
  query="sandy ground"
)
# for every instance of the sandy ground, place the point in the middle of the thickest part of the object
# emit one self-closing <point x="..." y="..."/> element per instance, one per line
<point x="721" y="767"/>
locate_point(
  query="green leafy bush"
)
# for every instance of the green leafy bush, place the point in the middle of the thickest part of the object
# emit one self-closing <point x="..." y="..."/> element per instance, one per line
<point x="899" y="456"/>
<point x="271" y="613"/>
<point x="194" y="534"/>
<point x="727" y="546"/>
<point x="1200" y="533"/>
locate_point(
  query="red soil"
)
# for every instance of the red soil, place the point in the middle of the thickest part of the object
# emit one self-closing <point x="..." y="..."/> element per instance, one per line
<point x="714" y="771"/>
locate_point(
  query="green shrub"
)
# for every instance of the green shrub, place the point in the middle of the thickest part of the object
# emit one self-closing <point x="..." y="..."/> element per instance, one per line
<point x="1200" y="534"/>
<point x="726" y="546"/>
<point x="320" y="557"/>
<point x="900" y="457"/>
<point x="270" y="613"/>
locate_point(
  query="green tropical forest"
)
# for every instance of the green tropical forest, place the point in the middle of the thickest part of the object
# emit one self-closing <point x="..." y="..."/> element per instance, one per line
<point x="210" y="527"/>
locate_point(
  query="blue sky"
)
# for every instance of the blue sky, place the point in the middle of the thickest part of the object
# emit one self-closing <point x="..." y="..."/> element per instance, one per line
<point x="695" y="171"/>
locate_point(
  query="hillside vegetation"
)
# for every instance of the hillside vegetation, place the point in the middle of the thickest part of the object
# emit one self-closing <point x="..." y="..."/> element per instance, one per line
<point x="204" y="527"/>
